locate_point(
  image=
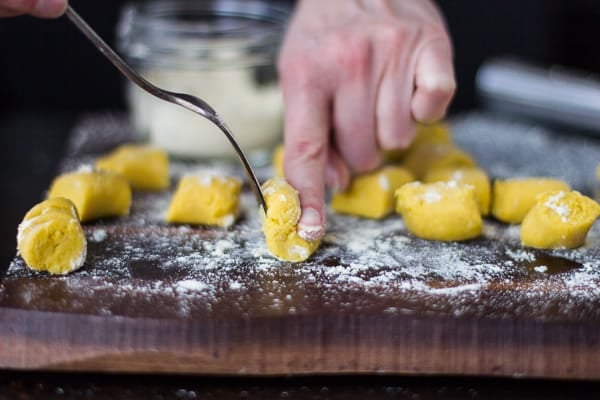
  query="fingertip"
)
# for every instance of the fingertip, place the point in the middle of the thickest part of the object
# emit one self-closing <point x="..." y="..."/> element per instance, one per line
<point x="401" y="137"/>
<point x="311" y="225"/>
<point x="428" y="106"/>
<point x="435" y="82"/>
<point x="49" y="8"/>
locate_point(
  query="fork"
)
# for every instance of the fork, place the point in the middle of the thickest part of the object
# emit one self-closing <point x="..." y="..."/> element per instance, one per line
<point x="184" y="100"/>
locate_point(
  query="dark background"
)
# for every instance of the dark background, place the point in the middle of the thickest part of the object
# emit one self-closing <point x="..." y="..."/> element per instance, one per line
<point x="48" y="65"/>
<point x="50" y="76"/>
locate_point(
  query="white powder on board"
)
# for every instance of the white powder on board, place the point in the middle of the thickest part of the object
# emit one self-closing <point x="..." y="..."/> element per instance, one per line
<point x="375" y="258"/>
<point x="98" y="235"/>
<point x="369" y="256"/>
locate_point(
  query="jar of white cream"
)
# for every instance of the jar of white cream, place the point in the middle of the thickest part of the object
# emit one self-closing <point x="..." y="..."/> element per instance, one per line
<point x="222" y="51"/>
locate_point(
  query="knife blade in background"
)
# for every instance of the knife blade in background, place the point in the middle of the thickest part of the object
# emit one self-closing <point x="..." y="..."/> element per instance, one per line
<point x="555" y="94"/>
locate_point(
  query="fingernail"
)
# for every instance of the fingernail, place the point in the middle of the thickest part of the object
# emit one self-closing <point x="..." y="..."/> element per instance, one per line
<point x="310" y="226"/>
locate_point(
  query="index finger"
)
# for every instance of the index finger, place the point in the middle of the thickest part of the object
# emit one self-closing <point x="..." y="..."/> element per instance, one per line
<point x="307" y="123"/>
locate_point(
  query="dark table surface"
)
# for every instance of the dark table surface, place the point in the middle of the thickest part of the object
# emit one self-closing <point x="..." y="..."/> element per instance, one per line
<point x="133" y="387"/>
<point x="32" y="145"/>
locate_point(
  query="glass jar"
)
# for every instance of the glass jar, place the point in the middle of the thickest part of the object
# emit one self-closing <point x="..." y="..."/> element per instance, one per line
<point x="222" y="51"/>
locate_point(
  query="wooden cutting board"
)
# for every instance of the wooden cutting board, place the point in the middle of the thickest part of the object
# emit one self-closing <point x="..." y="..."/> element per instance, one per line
<point x="373" y="299"/>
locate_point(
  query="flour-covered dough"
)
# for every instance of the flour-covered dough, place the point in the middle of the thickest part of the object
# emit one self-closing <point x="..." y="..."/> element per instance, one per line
<point x="559" y="219"/>
<point x="280" y="222"/>
<point x="473" y="176"/>
<point x="445" y="211"/>
<point x="205" y="199"/>
<point x="427" y="156"/>
<point x="513" y="198"/>
<point x="435" y="133"/>
<point x="50" y="237"/>
<point x="144" y="167"/>
<point x="96" y="194"/>
<point x="371" y="195"/>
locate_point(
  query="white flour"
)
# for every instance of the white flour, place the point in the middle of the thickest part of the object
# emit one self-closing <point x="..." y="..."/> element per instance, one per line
<point x="362" y="265"/>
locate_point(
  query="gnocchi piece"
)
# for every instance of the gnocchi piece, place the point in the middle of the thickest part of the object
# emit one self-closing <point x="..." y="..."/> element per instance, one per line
<point x="425" y="157"/>
<point x="559" y="219"/>
<point x="444" y="211"/>
<point x="96" y="194"/>
<point x="280" y="222"/>
<point x="50" y="237"/>
<point x="205" y="199"/>
<point x="371" y="195"/>
<point x="56" y="204"/>
<point x="474" y="176"/>
<point x="144" y="167"/>
<point x="513" y="198"/>
<point x="438" y="132"/>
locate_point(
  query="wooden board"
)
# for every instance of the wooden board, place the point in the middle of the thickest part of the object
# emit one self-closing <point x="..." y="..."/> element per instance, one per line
<point x="374" y="299"/>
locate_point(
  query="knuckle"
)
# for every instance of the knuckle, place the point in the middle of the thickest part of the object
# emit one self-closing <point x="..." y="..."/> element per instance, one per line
<point x="297" y="68"/>
<point x="305" y="149"/>
<point x="397" y="35"/>
<point x="352" y="52"/>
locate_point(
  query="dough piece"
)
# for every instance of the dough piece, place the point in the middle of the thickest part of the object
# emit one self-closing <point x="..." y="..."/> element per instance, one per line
<point x="145" y="167"/>
<point x="438" y="132"/>
<point x="474" y="176"/>
<point x="280" y="222"/>
<point x="559" y="219"/>
<point x="278" y="161"/>
<point x="372" y="195"/>
<point x="205" y="199"/>
<point x="445" y="211"/>
<point x="95" y="194"/>
<point x="428" y="156"/>
<point x="57" y="204"/>
<point x="51" y="239"/>
<point x="513" y="198"/>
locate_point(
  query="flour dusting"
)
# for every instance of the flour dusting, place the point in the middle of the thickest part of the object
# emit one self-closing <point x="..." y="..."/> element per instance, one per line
<point x="139" y="264"/>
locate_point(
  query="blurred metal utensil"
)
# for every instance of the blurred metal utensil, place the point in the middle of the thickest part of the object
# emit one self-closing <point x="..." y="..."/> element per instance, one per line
<point x="190" y="102"/>
<point x="553" y="94"/>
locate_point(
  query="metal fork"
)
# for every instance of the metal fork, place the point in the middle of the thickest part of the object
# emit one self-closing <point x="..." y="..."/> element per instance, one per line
<point x="190" y="102"/>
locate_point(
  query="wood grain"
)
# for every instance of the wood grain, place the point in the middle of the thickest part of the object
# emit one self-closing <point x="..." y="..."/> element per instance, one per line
<point x="324" y="344"/>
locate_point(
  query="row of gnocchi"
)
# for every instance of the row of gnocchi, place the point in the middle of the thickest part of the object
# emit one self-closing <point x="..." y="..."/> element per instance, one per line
<point x="50" y="237"/>
<point x="435" y="186"/>
<point x="442" y="194"/>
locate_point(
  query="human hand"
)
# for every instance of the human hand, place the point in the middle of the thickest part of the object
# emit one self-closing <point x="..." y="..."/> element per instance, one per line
<point x="37" y="8"/>
<point x="355" y="76"/>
